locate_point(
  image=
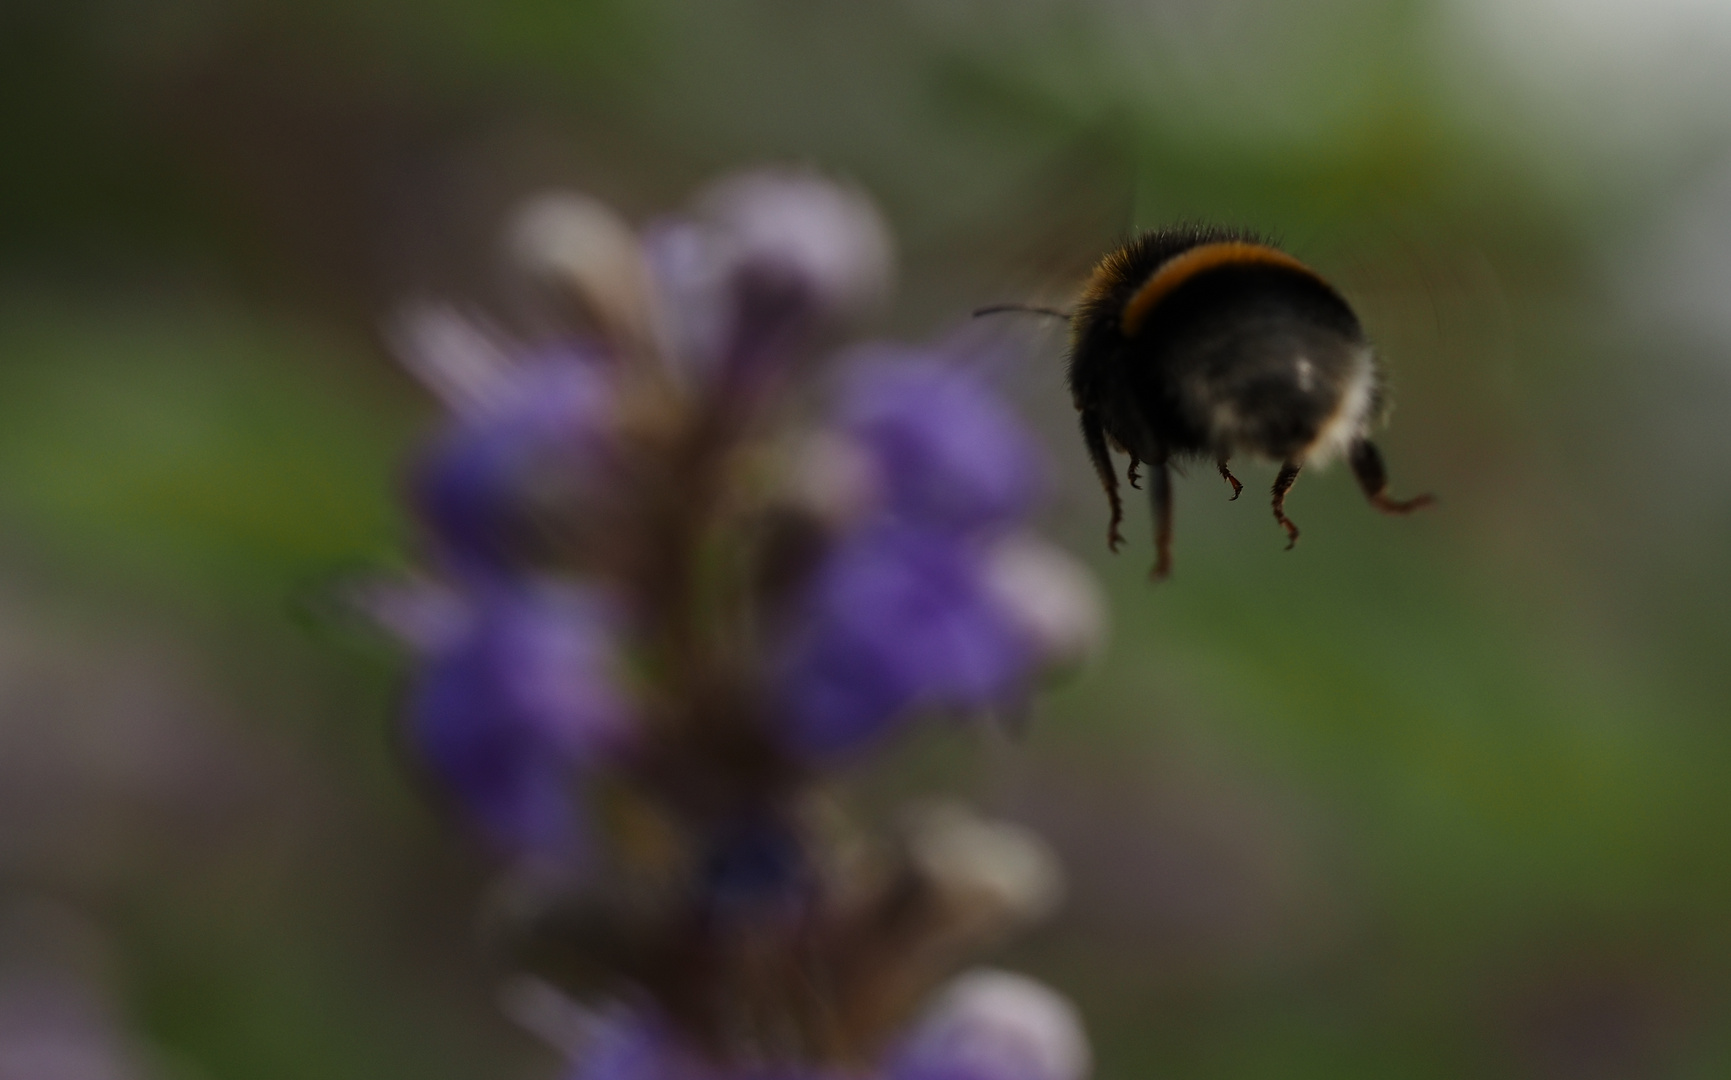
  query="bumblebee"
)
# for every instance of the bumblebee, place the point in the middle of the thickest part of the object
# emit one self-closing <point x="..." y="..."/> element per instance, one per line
<point x="1205" y="343"/>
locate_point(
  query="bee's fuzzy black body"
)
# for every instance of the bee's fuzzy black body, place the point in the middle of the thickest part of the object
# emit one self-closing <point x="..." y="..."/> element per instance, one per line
<point x="1197" y="342"/>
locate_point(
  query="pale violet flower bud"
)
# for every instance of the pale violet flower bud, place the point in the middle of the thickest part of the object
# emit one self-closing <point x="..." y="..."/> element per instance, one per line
<point x="55" y="1027"/>
<point x="697" y="312"/>
<point x="548" y="1013"/>
<point x="58" y="1019"/>
<point x="626" y="1044"/>
<point x="1051" y="596"/>
<point x="995" y="1025"/>
<point x="421" y="614"/>
<point x="766" y="267"/>
<point x="828" y="237"/>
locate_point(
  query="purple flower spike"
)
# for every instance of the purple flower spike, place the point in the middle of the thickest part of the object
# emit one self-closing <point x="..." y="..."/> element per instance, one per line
<point x="513" y="703"/>
<point x="994" y="1025"/>
<point x="546" y="421"/>
<point x="655" y="599"/>
<point x="896" y="617"/>
<point x="951" y="454"/>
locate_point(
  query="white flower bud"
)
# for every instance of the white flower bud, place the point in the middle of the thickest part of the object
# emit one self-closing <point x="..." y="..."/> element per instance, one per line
<point x="996" y="1025"/>
<point x="835" y="478"/>
<point x="586" y="247"/>
<point x="1051" y="595"/>
<point x="1006" y="871"/>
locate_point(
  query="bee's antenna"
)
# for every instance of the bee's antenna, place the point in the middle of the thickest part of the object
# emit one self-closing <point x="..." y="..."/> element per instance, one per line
<point x="1032" y="309"/>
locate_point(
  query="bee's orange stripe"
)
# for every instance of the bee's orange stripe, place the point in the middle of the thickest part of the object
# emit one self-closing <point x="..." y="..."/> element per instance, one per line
<point x="1180" y="268"/>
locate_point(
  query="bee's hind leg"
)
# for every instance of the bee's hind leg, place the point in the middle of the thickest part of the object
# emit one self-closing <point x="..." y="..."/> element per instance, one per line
<point x="1237" y="488"/>
<point x="1094" y="436"/>
<point x="1283" y="484"/>
<point x="1373" y="478"/>
<point x="1160" y="501"/>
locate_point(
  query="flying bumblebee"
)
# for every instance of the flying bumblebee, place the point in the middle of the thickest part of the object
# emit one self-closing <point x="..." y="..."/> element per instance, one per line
<point x="1205" y="343"/>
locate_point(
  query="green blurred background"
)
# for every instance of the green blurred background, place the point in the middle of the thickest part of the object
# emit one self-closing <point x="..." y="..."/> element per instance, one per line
<point x="1437" y="797"/>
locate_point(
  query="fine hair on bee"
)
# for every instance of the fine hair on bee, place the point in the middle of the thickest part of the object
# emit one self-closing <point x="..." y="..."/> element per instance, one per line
<point x="1204" y="343"/>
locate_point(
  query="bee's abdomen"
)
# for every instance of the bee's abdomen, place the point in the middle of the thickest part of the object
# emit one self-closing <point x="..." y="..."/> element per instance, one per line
<point x="1268" y="386"/>
<point x="1256" y="357"/>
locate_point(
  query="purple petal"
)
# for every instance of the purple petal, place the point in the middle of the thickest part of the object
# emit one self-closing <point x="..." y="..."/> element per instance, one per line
<point x="630" y="1046"/>
<point x="894" y="618"/>
<point x="551" y="416"/>
<point x="506" y="712"/>
<point x="951" y="453"/>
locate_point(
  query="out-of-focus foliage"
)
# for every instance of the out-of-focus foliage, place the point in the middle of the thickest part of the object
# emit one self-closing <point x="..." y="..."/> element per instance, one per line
<point x="1436" y="797"/>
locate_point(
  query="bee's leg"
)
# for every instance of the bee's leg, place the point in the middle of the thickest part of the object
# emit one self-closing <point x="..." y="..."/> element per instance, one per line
<point x="1237" y="488"/>
<point x="1095" y="437"/>
<point x="1283" y="484"/>
<point x="1134" y="479"/>
<point x="1160" y="501"/>
<point x="1373" y="478"/>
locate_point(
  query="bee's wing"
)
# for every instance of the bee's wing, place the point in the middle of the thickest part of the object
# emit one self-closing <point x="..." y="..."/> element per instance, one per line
<point x="1031" y="237"/>
<point x="1428" y="299"/>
